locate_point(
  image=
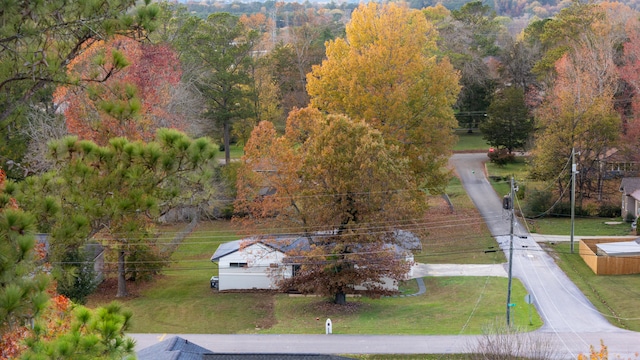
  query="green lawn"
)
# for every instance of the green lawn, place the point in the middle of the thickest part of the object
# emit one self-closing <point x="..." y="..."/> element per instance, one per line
<point x="452" y="305"/>
<point x="470" y="142"/>
<point x="617" y="297"/>
<point x="582" y="226"/>
<point x="181" y="301"/>
<point x="236" y="152"/>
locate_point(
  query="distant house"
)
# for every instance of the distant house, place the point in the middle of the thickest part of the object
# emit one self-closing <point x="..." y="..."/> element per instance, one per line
<point x="257" y="262"/>
<point x="630" y="189"/>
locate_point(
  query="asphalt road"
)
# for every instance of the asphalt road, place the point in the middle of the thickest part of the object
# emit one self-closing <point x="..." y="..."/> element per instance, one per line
<point x="571" y="323"/>
<point x="566" y="312"/>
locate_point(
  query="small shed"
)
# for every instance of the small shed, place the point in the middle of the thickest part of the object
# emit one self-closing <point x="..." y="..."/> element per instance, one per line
<point x="611" y="256"/>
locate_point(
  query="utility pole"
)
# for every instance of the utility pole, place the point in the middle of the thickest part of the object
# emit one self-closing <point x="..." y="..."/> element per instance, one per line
<point x="573" y="193"/>
<point x="510" y="207"/>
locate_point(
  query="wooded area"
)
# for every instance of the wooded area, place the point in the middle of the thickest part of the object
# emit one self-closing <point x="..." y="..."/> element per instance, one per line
<point x="111" y="113"/>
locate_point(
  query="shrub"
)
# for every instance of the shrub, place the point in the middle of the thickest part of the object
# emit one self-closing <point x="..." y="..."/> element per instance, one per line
<point x="77" y="279"/>
<point x="538" y="203"/>
<point x="501" y="157"/>
<point x="609" y="210"/>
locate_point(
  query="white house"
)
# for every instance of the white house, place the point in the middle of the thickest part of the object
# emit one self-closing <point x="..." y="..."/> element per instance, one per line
<point x="250" y="263"/>
<point x="256" y="262"/>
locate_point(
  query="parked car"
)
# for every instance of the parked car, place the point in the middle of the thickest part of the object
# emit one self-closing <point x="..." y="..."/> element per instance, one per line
<point x="214" y="282"/>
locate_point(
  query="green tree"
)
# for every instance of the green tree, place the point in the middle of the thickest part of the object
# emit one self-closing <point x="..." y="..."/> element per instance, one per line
<point x="563" y="33"/>
<point x="220" y="47"/>
<point x="118" y="190"/>
<point x="22" y="295"/>
<point x="338" y="177"/>
<point x="39" y="38"/>
<point x="468" y="36"/>
<point x="94" y="334"/>
<point x="385" y="72"/>
<point x="76" y="276"/>
<point x="508" y="123"/>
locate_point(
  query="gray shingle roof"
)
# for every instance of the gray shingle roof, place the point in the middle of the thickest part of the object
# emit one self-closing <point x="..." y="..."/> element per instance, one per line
<point x="173" y="348"/>
<point x="272" y="357"/>
<point x="630" y="184"/>
<point x="177" y="348"/>
<point x="401" y="241"/>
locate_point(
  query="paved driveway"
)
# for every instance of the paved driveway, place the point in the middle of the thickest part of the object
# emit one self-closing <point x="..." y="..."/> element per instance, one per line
<point x="422" y="270"/>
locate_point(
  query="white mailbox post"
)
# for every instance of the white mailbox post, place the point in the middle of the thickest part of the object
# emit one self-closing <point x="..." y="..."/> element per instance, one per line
<point x="329" y="330"/>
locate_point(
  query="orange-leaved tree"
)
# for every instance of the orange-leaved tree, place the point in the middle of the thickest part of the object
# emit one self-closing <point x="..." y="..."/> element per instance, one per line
<point x="132" y="97"/>
<point x="578" y="111"/>
<point x="630" y="73"/>
<point x="337" y="182"/>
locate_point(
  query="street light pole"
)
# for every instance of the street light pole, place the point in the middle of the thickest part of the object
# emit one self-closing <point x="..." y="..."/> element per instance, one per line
<point x="511" y="207"/>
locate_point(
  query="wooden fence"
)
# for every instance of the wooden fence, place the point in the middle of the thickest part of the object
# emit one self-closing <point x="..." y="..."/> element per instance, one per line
<point x="607" y="265"/>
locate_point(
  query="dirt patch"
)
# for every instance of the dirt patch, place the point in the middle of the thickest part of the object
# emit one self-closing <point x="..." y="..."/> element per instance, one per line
<point x="107" y="290"/>
<point x="550" y="251"/>
<point x="267" y="308"/>
<point x="328" y="308"/>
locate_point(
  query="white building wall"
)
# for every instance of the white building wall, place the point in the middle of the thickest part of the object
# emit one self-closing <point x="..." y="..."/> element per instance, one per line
<point x="261" y="261"/>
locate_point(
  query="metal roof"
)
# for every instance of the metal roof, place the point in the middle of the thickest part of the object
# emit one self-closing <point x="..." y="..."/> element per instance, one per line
<point x="226" y="249"/>
<point x="622" y="248"/>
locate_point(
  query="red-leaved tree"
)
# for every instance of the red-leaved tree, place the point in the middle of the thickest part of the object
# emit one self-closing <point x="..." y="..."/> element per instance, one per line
<point x="131" y="95"/>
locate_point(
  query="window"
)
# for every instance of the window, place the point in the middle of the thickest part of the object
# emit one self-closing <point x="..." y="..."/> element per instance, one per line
<point x="238" y="265"/>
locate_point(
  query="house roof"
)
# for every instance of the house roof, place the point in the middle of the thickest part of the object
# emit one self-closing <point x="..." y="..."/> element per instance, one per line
<point x="177" y="348"/>
<point x="282" y="243"/>
<point x="630" y="185"/>
<point x="173" y="348"/>
<point x="226" y="249"/>
<point x="622" y="248"/>
<point x="219" y="356"/>
<point x="404" y="240"/>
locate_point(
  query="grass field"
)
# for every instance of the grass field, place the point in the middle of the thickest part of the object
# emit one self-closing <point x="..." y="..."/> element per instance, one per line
<point x="591" y="226"/>
<point x="470" y="142"/>
<point x="181" y="301"/>
<point x="236" y="152"/>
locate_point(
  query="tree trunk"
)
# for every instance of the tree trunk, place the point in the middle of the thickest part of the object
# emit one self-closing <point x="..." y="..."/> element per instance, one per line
<point x="122" y="281"/>
<point x="341" y="298"/>
<point x="227" y="140"/>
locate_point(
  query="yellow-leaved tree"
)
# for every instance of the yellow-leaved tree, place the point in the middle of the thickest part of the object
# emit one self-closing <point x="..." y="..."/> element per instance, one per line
<point x="386" y="72"/>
